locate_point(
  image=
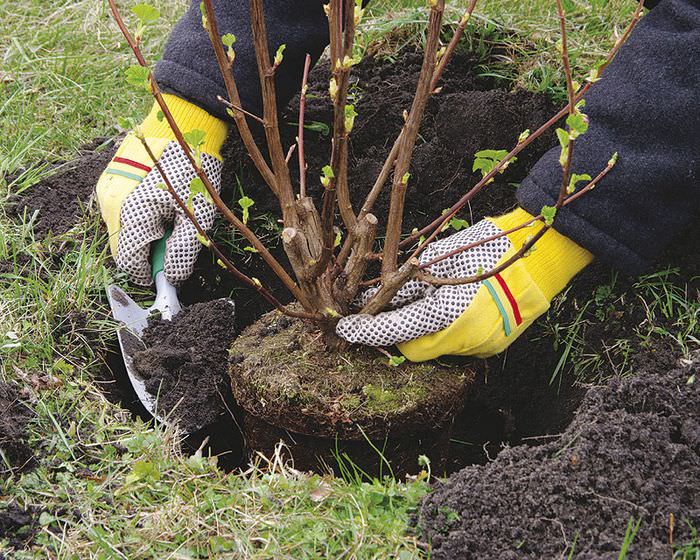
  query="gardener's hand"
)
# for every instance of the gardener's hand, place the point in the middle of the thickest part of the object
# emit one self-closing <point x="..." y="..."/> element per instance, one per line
<point x="136" y="207"/>
<point x="479" y="319"/>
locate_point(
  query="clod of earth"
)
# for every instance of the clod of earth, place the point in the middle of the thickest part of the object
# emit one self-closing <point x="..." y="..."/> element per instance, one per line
<point x="60" y="198"/>
<point x="292" y="388"/>
<point x="184" y="363"/>
<point x="15" y="453"/>
<point x="633" y="450"/>
<point x="18" y="525"/>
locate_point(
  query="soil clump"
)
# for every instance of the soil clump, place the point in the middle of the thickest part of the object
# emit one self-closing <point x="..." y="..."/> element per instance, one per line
<point x="322" y="403"/>
<point x="60" y="199"/>
<point x="633" y="450"/>
<point x="184" y="363"/>
<point x="19" y="526"/>
<point x="14" y="417"/>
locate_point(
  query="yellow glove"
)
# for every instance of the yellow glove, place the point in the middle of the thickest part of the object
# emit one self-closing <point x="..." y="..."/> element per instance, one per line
<point x="479" y="319"/>
<point x="137" y="211"/>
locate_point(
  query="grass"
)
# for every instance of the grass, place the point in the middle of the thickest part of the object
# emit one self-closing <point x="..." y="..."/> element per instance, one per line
<point x="108" y="485"/>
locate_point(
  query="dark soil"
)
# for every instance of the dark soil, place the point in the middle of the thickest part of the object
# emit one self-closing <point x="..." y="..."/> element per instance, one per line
<point x="18" y="526"/>
<point x="185" y="363"/>
<point x="633" y="450"/>
<point x="14" y="417"/>
<point x="60" y="199"/>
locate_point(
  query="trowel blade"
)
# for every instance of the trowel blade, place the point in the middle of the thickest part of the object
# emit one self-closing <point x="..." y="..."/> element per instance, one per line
<point x="127" y="311"/>
<point x="134" y="320"/>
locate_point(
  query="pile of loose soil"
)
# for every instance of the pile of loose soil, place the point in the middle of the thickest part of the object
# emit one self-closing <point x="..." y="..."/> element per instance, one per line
<point x="60" y="198"/>
<point x="281" y="371"/>
<point x="633" y="450"/>
<point x="14" y="416"/>
<point x="185" y="363"/>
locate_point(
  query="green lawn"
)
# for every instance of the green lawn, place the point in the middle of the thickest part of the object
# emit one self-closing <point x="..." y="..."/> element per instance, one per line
<point x="109" y="486"/>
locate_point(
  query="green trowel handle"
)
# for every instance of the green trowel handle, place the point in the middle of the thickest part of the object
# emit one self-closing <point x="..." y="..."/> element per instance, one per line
<point x="158" y="253"/>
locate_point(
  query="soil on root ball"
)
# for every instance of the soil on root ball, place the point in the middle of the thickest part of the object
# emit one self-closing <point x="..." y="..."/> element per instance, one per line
<point x="17" y="455"/>
<point x="323" y="404"/>
<point x="632" y="451"/>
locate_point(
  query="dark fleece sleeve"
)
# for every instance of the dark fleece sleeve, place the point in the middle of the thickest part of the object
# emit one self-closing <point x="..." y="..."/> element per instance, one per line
<point x="646" y="108"/>
<point x="188" y="67"/>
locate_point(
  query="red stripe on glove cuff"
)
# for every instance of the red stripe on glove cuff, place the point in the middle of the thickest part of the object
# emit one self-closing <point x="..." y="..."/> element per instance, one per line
<point x="132" y="163"/>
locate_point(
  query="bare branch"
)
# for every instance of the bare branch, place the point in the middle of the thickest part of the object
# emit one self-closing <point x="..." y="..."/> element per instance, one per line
<point x="218" y="202"/>
<point x="235" y="107"/>
<point x="226" y="69"/>
<point x="434" y="228"/>
<point x="405" y="153"/>
<point x="449" y="51"/>
<point x="266" y="75"/>
<point x="300" y="132"/>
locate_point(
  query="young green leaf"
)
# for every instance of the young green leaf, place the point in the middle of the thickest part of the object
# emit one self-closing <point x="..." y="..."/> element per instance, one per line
<point x="145" y="13"/>
<point x="197" y="187"/>
<point x="245" y="203"/>
<point x="250" y="249"/>
<point x="564" y="140"/>
<point x="578" y="124"/>
<point x="228" y="39"/>
<point x="127" y="123"/>
<point x="486" y="160"/>
<point x="203" y="10"/>
<point x="563" y="137"/>
<point x="350" y="115"/>
<point x="457" y="224"/>
<point x="548" y="213"/>
<point x="338" y="237"/>
<point x="279" y="55"/>
<point x="327" y="175"/>
<point x="195" y="138"/>
<point x="316" y="126"/>
<point x="576" y="178"/>
<point x="454" y="223"/>
<point x="203" y="240"/>
<point x="396" y="361"/>
<point x="138" y="76"/>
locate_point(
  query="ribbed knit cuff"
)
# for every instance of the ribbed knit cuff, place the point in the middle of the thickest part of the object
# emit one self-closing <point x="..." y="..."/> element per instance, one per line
<point x="188" y="117"/>
<point x="555" y="259"/>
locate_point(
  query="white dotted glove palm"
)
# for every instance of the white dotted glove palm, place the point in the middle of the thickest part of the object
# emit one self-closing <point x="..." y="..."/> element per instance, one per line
<point x="420" y="308"/>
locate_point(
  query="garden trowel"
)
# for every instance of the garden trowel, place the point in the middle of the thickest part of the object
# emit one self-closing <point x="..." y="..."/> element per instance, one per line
<point x="134" y="320"/>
